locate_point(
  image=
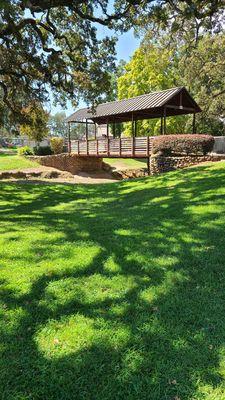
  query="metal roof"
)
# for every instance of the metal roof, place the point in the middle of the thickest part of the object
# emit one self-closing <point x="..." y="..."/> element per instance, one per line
<point x="146" y="106"/>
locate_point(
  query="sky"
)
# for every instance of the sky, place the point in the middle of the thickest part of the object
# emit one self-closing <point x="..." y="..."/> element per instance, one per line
<point x="127" y="43"/>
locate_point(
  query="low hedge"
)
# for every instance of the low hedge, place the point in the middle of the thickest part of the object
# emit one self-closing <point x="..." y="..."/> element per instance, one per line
<point x="168" y="145"/>
<point x="42" y="150"/>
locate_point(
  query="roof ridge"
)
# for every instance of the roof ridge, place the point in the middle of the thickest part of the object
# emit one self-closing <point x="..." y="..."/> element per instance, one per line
<point x="144" y="102"/>
<point x="130" y="98"/>
<point x="140" y="95"/>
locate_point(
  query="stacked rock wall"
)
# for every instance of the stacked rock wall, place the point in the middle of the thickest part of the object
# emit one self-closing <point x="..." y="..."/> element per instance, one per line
<point x="159" y="164"/>
<point x="70" y="162"/>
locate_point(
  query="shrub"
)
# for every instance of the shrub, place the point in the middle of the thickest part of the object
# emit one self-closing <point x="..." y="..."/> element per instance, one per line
<point x="169" y="145"/>
<point x="57" y="145"/>
<point x="25" y="151"/>
<point x="42" y="150"/>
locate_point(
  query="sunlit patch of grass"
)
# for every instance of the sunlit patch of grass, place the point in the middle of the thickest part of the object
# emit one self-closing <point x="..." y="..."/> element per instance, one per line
<point x="126" y="162"/>
<point x="9" y="161"/>
<point x="78" y="333"/>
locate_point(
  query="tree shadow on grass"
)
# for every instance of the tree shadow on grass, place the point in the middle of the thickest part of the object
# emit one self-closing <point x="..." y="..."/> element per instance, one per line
<point x="154" y="327"/>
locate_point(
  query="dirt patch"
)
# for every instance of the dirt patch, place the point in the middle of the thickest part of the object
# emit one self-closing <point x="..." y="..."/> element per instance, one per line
<point x="41" y="172"/>
<point x="94" y="177"/>
<point x="47" y="174"/>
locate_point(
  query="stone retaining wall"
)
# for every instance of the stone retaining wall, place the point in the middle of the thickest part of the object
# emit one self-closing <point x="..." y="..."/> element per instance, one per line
<point x="69" y="162"/>
<point x="159" y="164"/>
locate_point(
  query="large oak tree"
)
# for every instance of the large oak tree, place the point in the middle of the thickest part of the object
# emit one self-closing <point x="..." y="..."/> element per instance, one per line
<point x="54" y="44"/>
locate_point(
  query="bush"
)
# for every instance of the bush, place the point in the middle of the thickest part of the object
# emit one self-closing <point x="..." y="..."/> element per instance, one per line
<point x="42" y="150"/>
<point x="168" y="145"/>
<point x="25" y="151"/>
<point x="57" y="145"/>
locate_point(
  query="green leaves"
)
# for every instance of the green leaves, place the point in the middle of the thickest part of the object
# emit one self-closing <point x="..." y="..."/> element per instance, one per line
<point x="192" y="57"/>
<point x="37" y="119"/>
<point x="148" y="70"/>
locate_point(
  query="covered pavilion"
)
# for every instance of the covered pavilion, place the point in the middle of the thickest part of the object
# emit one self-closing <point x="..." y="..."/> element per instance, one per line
<point x="162" y="104"/>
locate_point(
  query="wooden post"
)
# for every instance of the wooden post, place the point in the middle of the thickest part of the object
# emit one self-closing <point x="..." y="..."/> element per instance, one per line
<point x="132" y="125"/>
<point x="107" y="130"/>
<point x="193" y="126"/>
<point x="133" y="148"/>
<point x="69" y="138"/>
<point x="107" y="146"/>
<point x="95" y="131"/>
<point x="120" y="146"/>
<point x="148" y="146"/>
<point x="148" y="165"/>
<point x="86" y="132"/>
<point x="164" y="127"/>
<point x="161" y="127"/>
<point x="78" y="147"/>
<point x="135" y="128"/>
<point x="97" y="146"/>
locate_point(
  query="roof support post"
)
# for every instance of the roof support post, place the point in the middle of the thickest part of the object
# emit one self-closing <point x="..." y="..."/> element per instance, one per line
<point x="86" y="135"/>
<point x="86" y="131"/>
<point x="164" y="125"/>
<point x="69" y="138"/>
<point x="107" y="129"/>
<point x="193" y="124"/>
<point x="135" y="128"/>
<point x="95" y="131"/>
<point x="132" y="125"/>
<point x="120" y="149"/>
<point x="161" y="126"/>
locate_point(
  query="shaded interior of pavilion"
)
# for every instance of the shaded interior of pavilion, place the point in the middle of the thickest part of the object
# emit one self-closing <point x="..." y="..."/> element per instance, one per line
<point x="105" y="118"/>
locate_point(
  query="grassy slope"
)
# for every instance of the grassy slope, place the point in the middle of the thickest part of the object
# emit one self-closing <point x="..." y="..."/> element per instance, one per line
<point x="115" y="291"/>
<point x="126" y="162"/>
<point x="8" y="162"/>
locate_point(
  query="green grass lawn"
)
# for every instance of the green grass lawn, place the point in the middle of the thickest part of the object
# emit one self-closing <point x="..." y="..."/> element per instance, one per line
<point x="11" y="161"/>
<point x="127" y="162"/>
<point x="115" y="291"/>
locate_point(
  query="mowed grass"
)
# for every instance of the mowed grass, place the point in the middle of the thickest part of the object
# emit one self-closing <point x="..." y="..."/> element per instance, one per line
<point x="11" y="161"/>
<point x="126" y="163"/>
<point x="114" y="291"/>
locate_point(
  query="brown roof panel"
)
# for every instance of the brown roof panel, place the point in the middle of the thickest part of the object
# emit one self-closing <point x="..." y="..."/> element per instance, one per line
<point x="146" y="106"/>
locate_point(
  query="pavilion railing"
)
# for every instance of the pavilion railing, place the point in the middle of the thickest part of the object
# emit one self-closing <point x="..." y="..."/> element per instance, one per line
<point x="113" y="147"/>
